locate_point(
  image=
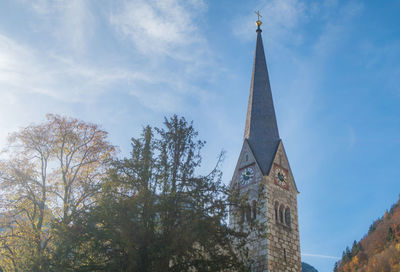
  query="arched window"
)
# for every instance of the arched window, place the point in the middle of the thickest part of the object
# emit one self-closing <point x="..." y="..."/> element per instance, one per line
<point x="276" y="211"/>
<point x="242" y="214"/>
<point x="248" y="213"/>
<point x="287" y="217"/>
<point x="254" y="209"/>
<point x="281" y="208"/>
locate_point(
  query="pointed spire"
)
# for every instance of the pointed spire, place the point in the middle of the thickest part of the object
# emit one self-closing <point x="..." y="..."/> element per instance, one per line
<point x="261" y="129"/>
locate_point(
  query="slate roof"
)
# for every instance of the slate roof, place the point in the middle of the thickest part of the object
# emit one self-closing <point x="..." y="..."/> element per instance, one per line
<point x="261" y="130"/>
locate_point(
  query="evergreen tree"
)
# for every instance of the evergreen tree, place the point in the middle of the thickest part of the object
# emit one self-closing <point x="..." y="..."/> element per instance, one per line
<point x="390" y="235"/>
<point x="156" y="214"/>
<point x="355" y="248"/>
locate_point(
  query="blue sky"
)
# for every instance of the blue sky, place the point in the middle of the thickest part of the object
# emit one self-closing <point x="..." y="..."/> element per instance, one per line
<point x="334" y="70"/>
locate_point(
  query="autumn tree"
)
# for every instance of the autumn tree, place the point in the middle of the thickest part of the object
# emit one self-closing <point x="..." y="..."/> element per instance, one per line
<point x="50" y="173"/>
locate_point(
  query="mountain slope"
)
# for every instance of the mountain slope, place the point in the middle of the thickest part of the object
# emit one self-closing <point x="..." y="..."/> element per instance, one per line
<point x="305" y="267"/>
<point x="379" y="250"/>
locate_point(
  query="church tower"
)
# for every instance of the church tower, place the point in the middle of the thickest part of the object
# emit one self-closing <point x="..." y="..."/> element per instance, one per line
<point x="263" y="174"/>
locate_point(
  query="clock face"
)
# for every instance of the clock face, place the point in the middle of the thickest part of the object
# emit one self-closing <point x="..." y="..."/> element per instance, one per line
<point x="246" y="176"/>
<point x="280" y="176"/>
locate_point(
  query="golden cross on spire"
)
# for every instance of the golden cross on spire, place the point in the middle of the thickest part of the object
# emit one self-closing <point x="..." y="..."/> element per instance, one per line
<point x="258" y="22"/>
<point x="258" y="15"/>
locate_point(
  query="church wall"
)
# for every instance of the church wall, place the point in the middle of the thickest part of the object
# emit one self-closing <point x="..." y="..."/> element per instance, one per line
<point x="282" y="239"/>
<point x="269" y="253"/>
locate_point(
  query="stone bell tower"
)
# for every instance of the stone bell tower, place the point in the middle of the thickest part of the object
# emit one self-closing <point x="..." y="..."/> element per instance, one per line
<point x="264" y="167"/>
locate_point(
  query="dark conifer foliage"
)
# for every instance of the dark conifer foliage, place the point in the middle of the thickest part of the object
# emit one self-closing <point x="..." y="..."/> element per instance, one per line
<point x="156" y="214"/>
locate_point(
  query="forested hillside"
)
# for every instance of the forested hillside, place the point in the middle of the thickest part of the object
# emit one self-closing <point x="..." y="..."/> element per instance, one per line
<point x="379" y="250"/>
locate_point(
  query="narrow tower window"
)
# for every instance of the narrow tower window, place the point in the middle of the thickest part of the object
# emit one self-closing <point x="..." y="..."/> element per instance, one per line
<point x="281" y="208"/>
<point x="287" y="217"/>
<point x="254" y="209"/>
<point x="242" y="215"/>
<point x="276" y="211"/>
<point x="284" y="254"/>
<point x="248" y="212"/>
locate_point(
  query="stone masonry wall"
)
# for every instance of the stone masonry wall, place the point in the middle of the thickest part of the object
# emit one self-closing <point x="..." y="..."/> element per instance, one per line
<point x="283" y="241"/>
<point x="280" y="252"/>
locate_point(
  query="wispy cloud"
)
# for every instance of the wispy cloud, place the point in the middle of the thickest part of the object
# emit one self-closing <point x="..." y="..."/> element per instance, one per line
<point x="162" y="27"/>
<point x="25" y="70"/>
<point x="175" y="51"/>
<point x="320" y="256"/>
<point x="70" y="22"/>
<point x="169" y="52"/>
